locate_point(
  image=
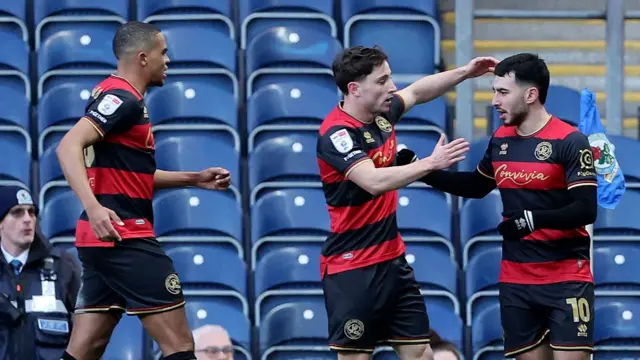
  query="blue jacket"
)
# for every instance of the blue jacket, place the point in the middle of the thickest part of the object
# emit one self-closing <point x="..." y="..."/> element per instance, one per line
<point x="36" y="307"/>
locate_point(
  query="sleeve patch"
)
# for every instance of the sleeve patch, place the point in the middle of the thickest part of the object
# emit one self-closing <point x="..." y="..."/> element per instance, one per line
<point x="109" y="104"/>
<point x="342" y="141"/>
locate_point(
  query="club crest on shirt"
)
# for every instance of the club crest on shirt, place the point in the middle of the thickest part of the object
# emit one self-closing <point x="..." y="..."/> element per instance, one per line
<point x="342" y="141"/>
<point x="543" y="151"/>
<point x="109" y="104"/>
<point x="604" y="158"/>
<point x="383" y="124"/>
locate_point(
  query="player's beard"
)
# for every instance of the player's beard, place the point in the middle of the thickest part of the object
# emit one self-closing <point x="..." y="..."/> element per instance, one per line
<point x="517" y="115"/>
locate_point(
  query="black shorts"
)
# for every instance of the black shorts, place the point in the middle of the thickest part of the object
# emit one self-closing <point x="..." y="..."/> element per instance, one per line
<point x="379" y="304"/>
<point x="135" y="276"/>
<point x="562" y="311"/>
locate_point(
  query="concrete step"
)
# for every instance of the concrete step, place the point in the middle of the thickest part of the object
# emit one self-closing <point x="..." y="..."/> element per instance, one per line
<point x="446" y="5"/>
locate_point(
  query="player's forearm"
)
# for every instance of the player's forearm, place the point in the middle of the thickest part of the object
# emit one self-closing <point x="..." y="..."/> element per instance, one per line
<point x="433" y="86"/>
<point x="582" y="211"/>
<point x="467" y="184"/>
<point x="71" y="158"/>
<point x="172" y="179"/>
<point x="393" y="178"/>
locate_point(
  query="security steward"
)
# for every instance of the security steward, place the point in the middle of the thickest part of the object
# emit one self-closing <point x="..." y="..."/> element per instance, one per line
<point x="38" y="284"/>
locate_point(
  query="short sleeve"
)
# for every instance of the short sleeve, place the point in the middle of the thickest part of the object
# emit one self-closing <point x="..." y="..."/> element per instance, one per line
<point x="111" y="109"/>
<point x="485" y="167"/>
<point x="397" y="109"/>
<point x="341" y="148"/>
<point x="577" y="159"/>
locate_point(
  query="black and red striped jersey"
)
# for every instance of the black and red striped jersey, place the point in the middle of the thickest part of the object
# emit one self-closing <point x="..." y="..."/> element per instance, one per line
<point x="536" y="172"/>
<point x="364" y="230"/>
<point x="121" y="165"/>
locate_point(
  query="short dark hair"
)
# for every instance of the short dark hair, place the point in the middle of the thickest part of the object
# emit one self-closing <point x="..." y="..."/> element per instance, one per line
<point x="134" y="36"/>
<point x="528" y="69"/>
<point x="355" y="63"/>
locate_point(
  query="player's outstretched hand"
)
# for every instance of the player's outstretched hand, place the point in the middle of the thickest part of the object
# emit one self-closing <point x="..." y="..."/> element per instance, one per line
<point x="214" y="179"/>
<point x="445" y="155"/>
<point x="101" y="220"/>
<point x="480" y="66"/>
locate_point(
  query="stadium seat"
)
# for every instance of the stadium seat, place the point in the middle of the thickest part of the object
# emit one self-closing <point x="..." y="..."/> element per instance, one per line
<point x="13" y="18"/>
<point x="479" y="219"/>
<point x="15" y="118"/>
<point x="54" y="120"/>
<point x="616" y="330"/>
<point x="619" y="224"/>
<point x="429" y="117"/>
<point x="615" y="269"/>
<point x="424" y="216"/>
<point x="296" y="165"/>
<point x="53" y="16"/>
<point x="206" y="271"/>
<point x="294" y="331"/>
<point x="166" y="14"/>
<point x="14" y="64"/>
<point x="73" y="55"/>
<point x="562" y="102"/>
<point x="257" y="16"/>
<point x="476" y="152"/>
<point x="482" y="274"/>
<point x="383" y="22"/>
<point x="287" y="275"/>
<point x="127" y="340"/>
<point x="205" y="310"/>
<point x="16" y="171"/>
<point x="440" y="290"/>
<point x="178" y="107"/>
<point x="282" y="108"/>
<point x="626" y="151"/>
<point x="193" y="60"/>
<point x="288" y="216"/>
<point x="422" y="143"/>
<point x="59" y="217"/>
<point x="52" y="180"/>
<point x="198" y="215"/>
<point x="285" y="54"/>
<point x="486" y="334"/>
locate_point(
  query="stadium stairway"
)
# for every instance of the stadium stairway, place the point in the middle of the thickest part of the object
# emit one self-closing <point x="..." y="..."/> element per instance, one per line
<point x="574" y="50"/>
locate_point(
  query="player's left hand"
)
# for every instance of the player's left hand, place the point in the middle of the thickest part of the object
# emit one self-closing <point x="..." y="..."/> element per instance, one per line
<point x="214" y="179"/>
<point x="405" y="157"/>
<point x="480" y="66"/>
<point x="518" y="225"/>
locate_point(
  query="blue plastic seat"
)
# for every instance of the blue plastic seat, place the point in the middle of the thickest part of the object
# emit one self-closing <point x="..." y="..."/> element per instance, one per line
<point x="619" y="224"/>
<point x="53" y="16"/>
<point x="615" y="268"/>
<point x="479" y="219"/>
<point x="166" y="14"/>
<point x="14" y="64"/>
<point x="127" y="340"/>
<point x="626" y="151"/>
<point x="15" y="118"/>
<point x="294" y="331"/>
<point x="52" y="180"/>
<point x="16" y="171"/>
<point x="296" y="164"/>
<point x="60" y="216"/>
<point x="257" y="16"/>
<point x="486" y="333"/>
<point x="422" y="143"/>
<point x="74" y="54"/>
<point x="562" y="102"/>
<point x="195" y="215"/>
<point x="616" y="329"/>
<point x="204" y="270"/>
<point x="54" y="120"/>
<point x="383" y="22"/>
<point x="289" y="216"/>
<point x="482" y="274"/>
<point x="430" y="116"/>
<point x="287" y="275"/>
<point x="284" y="54"/>
<point x="417" y="204"/>
<point x="279" y="109"/>
<point x="476" y="152"/>
<point x="440" y="290"/>
<point x="212" y="62"/>
<point x="13" y="18"/>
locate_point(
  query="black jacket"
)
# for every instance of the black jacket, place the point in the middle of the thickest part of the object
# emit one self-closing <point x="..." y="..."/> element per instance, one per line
<point x="33" y="326"/>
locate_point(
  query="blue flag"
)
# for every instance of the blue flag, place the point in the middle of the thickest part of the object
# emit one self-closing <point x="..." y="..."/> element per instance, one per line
<point x="611" y="184"/>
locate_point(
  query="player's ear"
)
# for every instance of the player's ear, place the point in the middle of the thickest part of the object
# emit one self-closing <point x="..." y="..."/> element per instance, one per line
<point x="143" y="59"/>
<point x="354" y="88"/>
<point x="531" y="95"/>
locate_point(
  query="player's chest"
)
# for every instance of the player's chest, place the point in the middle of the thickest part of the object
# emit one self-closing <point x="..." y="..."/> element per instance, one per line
<point x="527" y="164"/>
<point x="380" y="145"/>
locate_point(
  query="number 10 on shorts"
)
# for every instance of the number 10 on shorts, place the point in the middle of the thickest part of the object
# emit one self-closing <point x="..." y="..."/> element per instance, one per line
<point x="580" y="307"/>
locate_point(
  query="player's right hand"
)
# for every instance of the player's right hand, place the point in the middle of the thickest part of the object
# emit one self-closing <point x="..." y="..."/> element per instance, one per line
<point x="101" y="220"/>
<point x="447" y="154"/>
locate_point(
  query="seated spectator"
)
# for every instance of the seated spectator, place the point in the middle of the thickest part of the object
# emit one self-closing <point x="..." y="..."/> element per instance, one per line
<point x="212" y="343"/>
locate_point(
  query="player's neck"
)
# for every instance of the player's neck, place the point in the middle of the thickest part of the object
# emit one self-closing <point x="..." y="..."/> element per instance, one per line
<point x="357" y="112"/>
<point x="535" y="121"/>
<point x="132" y="78"/>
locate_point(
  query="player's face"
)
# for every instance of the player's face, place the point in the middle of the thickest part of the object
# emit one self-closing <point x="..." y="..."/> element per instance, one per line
<point x="19" y="226"/>
<point x="376" y="89"/>
<point x="158" y="59"/>
<point x="509" y="100"/>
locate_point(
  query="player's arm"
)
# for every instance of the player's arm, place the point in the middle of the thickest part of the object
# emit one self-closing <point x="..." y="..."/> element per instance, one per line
<point x="433" y="86"/>
<point x="211" y="178"/>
